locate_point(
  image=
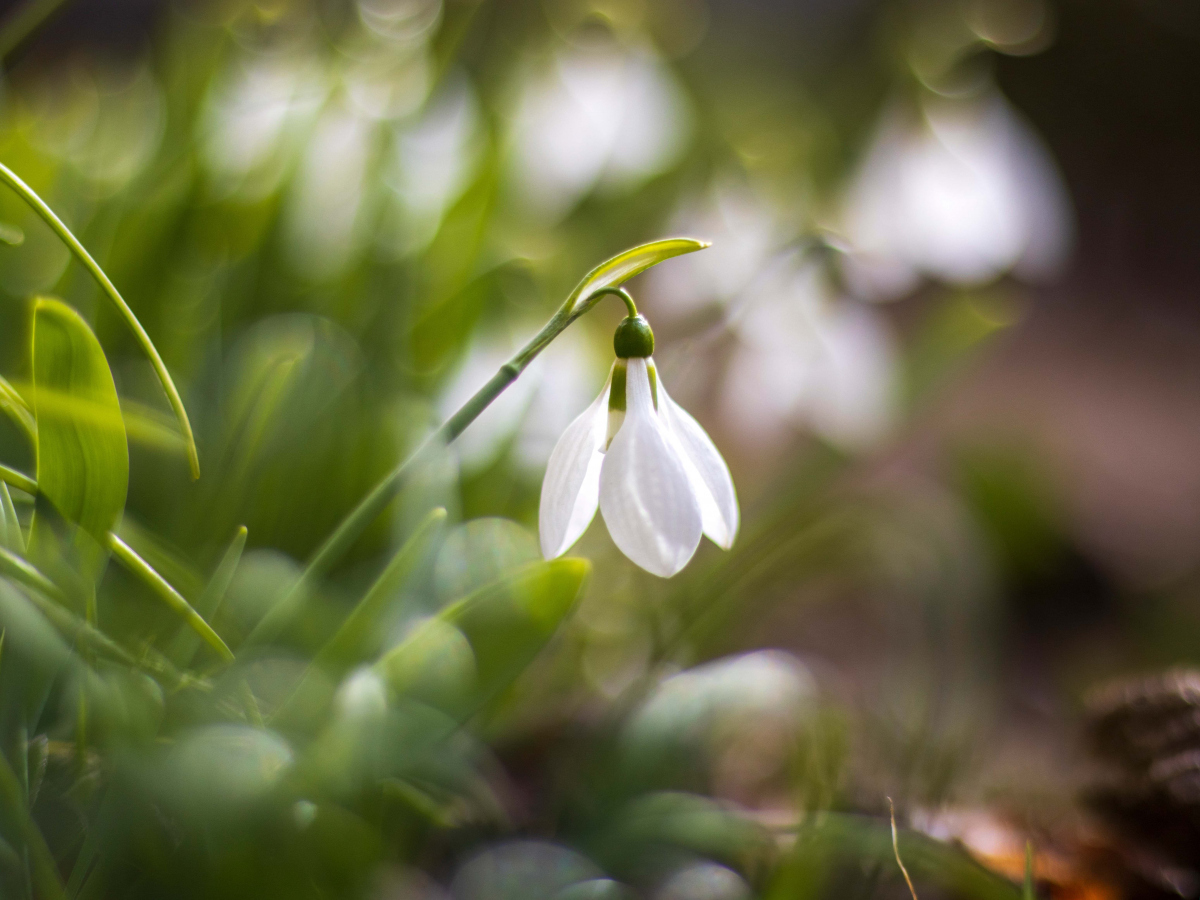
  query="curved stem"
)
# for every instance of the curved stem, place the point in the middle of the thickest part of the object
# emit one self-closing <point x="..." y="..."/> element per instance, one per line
<point x="26" y="193"/>
<point x="617" y="292"/>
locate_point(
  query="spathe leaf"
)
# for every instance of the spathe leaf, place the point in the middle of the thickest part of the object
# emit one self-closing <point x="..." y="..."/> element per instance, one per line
<point x="620" y="268"/>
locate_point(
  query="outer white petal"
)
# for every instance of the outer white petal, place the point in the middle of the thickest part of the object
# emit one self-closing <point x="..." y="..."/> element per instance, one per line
<point x="570" y="490"/>
<point x="645" y="495"/>
<point x="706" y="470"/>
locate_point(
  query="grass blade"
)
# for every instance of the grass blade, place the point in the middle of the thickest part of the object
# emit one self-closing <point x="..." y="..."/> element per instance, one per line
<point x="23" y="22"/>
<point x="18" y="480"/>
<point x="39" y="206"/>
<point x="896" y="851"/>
<point x="10" y="525"/>
<point x="82" y="459"/>
<point x="183" y="648"/>
<point x="347" y="644"/>
<point x="25" y="573"/>
<point x="138" y="566"/>
<point x="45" y="872"/>
<point x="15" y="407"/>
<point x="364" y="615"/>
<point x="1029" y="892"/>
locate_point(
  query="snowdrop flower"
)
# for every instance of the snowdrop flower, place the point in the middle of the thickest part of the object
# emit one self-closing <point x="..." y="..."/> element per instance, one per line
<point x="807" y="356"/>
<point x="598" y="116"/>
<point x="650" y="468"/>
<point x="963" y="192"/>
<point x="804" y="354"/>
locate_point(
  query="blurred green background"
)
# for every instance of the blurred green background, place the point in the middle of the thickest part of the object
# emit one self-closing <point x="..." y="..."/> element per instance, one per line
<point x="945" y="337"/>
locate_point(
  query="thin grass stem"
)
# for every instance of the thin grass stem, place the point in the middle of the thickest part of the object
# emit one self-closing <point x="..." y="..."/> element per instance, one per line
<point x="175" y="600"/>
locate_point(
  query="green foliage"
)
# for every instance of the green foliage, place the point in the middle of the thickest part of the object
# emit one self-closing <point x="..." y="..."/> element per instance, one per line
<point x="508" y="623"/>
<point x="43" y="210"/>
<point x="82" y="455"/>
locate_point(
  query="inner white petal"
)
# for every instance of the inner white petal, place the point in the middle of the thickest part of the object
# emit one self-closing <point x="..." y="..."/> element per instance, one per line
<point x="646" y="497"/>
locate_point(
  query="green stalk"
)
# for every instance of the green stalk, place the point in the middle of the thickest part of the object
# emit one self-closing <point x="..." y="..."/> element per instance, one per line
<point x="138" y="566"/>
<point x="14" y="539"/>
<point x="26" y="193"/>
<point x="604" y="279"/>
<point x="185" y="644"/>
<point x="18" y="480"/>
<point x="12" y="403"/>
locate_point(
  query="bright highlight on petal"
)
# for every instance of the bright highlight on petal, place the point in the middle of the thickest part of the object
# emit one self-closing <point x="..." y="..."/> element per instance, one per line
<point x="646" y="497"/>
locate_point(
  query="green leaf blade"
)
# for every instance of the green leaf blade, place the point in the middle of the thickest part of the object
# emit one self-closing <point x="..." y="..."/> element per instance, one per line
<point x="11" y="537"/>
<point x="345" y="648"/>
<point x="165" y="592"/>
<point x="82" y="460"/>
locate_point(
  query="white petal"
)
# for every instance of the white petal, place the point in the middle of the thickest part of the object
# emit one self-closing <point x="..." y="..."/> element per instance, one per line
<point x="570" y="490"/>
<point x="645" y="494"/>
<point x="706" y="470"/>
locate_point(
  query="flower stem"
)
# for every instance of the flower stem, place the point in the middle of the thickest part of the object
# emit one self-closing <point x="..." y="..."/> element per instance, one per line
<point x="623" y="294"/>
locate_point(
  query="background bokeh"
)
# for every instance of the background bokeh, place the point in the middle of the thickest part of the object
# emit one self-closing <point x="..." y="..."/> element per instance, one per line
<point x="945" y="336"/>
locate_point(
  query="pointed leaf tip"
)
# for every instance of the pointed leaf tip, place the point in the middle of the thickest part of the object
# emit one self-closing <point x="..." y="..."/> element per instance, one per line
<point x="634" y="261"/>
